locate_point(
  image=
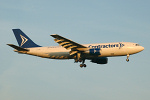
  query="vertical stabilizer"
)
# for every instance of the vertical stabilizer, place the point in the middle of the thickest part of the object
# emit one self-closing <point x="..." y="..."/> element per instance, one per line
<point x="23" y="40"/>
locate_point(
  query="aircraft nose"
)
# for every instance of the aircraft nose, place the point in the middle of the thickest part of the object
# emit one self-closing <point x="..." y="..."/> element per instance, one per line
<point x="141" y="48"/>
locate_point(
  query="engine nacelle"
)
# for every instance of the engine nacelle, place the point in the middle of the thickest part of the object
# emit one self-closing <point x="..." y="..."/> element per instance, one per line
<point x="100" y="60"/>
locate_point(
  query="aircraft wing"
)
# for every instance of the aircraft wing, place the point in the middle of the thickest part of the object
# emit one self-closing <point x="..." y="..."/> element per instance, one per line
<point x="69" y="44"/>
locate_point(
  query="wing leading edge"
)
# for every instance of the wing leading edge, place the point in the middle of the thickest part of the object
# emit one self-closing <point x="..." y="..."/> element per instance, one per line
<point x="69" y="44"/>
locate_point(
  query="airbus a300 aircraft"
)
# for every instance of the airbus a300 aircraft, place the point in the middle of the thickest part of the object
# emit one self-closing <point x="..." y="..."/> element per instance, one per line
<point x="69" y="49"/>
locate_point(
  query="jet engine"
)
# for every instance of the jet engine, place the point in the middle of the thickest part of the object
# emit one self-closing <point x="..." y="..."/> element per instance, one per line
<point x="100" y="60"/>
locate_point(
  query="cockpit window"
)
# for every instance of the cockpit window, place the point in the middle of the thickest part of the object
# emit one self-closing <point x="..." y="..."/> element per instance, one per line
<point x="137" y="45"/>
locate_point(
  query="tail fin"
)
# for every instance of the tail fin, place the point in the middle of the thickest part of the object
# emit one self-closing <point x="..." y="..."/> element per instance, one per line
<point x="23" y="40"/>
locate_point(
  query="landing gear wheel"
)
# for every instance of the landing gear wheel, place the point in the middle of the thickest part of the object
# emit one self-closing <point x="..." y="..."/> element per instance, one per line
<point x="80" y="60"/>
<point x="84" y="65"/>
<point x="127" y="60"/>
<point x="81" y="65"/>
<point x="76" y="60"/>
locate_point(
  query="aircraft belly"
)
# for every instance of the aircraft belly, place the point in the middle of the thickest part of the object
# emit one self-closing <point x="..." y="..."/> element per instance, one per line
<point x="59" y="55"/>
<point x="40" y="54"/>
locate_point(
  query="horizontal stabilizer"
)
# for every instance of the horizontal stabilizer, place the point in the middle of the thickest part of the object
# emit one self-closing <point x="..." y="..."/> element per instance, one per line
<point x="17" y="47"/>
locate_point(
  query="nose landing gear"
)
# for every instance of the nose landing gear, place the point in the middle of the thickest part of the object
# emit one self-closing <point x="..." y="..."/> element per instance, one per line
<point x="127" y="58"/>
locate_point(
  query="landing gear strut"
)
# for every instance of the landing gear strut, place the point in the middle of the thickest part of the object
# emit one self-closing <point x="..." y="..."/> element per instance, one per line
<point x="127" y="58"/>
<point x="81" y="65"/>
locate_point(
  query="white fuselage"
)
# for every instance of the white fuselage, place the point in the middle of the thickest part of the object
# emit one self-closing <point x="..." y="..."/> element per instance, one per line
<point x="99" y="50"/>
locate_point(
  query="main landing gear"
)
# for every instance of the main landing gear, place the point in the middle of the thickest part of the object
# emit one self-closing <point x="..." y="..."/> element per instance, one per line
<point x="127" y="58"/>
<point x="81" y="65"/>
<point x="79" y="59"/>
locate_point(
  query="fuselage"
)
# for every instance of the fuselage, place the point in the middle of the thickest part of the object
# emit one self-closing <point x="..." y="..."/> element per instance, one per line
<point x="98" y="49"/>
<point x="97" y="53"/>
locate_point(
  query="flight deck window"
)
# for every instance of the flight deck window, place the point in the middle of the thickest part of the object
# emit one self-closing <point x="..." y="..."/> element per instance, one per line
<point x="137" y="45"/>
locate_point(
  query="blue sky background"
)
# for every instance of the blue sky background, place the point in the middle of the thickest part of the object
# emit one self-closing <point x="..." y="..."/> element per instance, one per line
<point x="24" y="77"/>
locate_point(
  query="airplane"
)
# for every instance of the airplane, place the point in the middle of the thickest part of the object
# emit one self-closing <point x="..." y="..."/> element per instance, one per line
<point x="68" y="49"/>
